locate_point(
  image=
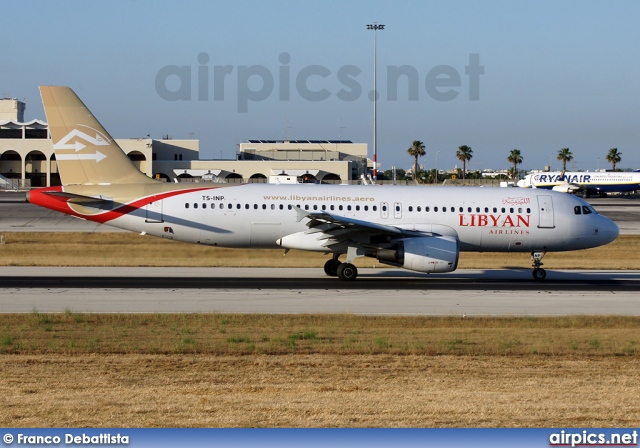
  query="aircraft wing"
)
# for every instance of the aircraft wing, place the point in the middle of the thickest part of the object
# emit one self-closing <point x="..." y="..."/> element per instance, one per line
<point x="329" y="222"/>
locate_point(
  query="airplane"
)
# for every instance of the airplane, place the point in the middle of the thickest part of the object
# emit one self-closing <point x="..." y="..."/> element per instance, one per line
<point x="587" y="183"/>
<point x="417" y="228"/>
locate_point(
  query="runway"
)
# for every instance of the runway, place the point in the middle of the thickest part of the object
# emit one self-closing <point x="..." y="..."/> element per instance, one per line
<point x="283" y="291"/>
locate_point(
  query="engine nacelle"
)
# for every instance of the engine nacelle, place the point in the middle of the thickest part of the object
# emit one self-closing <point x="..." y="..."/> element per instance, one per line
<point x="565" y="188"/>
<point x="424" y="254"/>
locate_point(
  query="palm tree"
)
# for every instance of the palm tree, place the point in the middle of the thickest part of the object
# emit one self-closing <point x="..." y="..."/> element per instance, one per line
<point x="614" y="157"/>
<point x="516" y="158"/>
<point x="564" y="155"/>
<point x="416" y="150"/>
<point x="464" y="154"/>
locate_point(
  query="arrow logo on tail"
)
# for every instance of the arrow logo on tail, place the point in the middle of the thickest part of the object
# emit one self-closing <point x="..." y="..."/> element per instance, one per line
<point x="64" y="142"/>
<point x="98" y="156"/>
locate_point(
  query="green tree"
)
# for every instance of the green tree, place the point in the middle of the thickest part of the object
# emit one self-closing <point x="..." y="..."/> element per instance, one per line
<point x="614" y="157"/>
<point x="564" y="155"/>
<point x="416" y="150"/>
<point x="464" y="154"/>
<point x="516" y="158"/>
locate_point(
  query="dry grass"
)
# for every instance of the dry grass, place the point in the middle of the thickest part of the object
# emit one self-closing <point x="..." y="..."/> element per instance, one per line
<point x="128" y="249"/>
<point x="198" y="370"/>
<point x="317" y="391"/>
<point x="230" y="334"/>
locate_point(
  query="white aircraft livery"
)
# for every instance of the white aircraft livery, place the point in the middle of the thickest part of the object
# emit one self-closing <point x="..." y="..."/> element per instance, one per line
<point x="417" y="228"/>
<point x="587" y="183"/>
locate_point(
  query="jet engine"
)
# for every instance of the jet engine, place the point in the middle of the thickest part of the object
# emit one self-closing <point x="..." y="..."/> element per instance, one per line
<point x="423" y="254"/>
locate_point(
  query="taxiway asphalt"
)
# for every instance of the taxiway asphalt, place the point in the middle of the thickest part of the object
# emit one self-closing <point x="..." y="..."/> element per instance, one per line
<point x="284" y="291"/>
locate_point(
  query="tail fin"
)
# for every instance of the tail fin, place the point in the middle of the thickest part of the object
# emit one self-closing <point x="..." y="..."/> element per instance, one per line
<point x="85" y="153"/>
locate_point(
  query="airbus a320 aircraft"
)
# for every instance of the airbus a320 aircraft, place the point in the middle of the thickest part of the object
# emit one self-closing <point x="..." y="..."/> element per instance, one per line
<point x="417" y="228"/>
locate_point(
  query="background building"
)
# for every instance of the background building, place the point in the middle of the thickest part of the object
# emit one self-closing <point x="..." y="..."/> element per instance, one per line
<point x="27" y="158"/>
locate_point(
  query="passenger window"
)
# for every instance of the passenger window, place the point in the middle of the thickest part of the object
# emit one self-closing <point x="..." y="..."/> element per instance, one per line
<point x="204" y="205"/>
<point x="306" y="206"/>
<point x="213" y="206"/>
<point x="435" y="209"/>
<point x="486" y="209"/>
<point x="324" y="207"/>
<point x="426" y="209"/>
<point x="586" y="210"/>
<point x="349" y="207"/>
<point x="186" y="205"/>
<point x="495" y="209"/>
<point x="273" y="206"/>
<point x="332" y="208"/>
<point x="418" y="208"/>
<point x="264" y="206"/>
<point x="511" y="210"/>
<point x="366" y="208"/>
<point x="195" y="205"/>
<point x="577" y="210"/>
<point x="519" y="209"/>
<point x="528" y="210"/>
<point x="461" y="209"/>
<point x="410" y="208"/>
<point x="384" y="208"/>
<point x="246" y="206"/>
<point x="255" y="206"/>
<point x="281" y="207"/>
<point x="503" y="209"/>
<point x="230" y="206"/>
<point x="453" y="209"/>
<point x="357" y="208"/>
<point x="315" y="207"/>
<point x="375" y="208"/>
<point x="340" y="207"/>
<point x="477" y="209"/>
<point x="238" y="206"/>
<point x="444" y="209"/>
<point x="397" y="208"/>
<point x="290" y="207"/>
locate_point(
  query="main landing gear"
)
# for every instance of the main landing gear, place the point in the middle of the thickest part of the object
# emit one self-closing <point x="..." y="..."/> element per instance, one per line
<point x="538" y="273"/>
<point x="344" y="271"/>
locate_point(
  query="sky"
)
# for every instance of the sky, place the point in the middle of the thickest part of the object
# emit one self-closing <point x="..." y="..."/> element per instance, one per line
<point x="536" y="76"/>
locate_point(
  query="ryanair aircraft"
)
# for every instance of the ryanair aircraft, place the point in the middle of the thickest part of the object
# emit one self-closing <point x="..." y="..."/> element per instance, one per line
<point x="417" y="228"/>
<point x="587" y="183"/>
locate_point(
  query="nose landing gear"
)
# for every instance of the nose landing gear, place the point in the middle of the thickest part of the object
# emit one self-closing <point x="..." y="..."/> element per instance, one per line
<point x="538" y="273"/>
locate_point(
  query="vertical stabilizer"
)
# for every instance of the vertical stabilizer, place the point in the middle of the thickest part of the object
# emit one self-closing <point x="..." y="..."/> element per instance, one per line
<point x="85" y="153"/>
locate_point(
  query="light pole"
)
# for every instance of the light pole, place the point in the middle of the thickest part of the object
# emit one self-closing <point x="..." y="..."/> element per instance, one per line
<point x="438" y="152"/>
<point x="375" y="27"/>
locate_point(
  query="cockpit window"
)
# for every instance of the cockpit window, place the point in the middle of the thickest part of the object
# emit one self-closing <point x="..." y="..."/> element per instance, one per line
<point x="587" y="210"/>
<point x="577" y="210"/>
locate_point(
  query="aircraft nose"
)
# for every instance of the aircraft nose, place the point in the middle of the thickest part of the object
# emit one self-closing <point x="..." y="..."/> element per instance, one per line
<point x="606" y="229"/>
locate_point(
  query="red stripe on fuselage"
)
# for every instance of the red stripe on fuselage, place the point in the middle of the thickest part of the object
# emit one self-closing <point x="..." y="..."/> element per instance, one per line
<point x="60" y="204"/>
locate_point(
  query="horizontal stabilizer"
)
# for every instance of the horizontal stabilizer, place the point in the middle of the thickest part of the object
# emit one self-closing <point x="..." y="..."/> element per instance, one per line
<point x="78" y="199"/>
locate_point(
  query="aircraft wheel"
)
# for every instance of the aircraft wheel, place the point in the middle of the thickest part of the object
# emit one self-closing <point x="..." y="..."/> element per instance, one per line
<point x="347" y="271"/>
<point x="331" y="267"/>
<point x="539" y="274"/>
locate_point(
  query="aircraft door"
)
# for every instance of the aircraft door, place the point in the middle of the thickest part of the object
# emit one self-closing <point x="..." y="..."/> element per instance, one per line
<point x="397" y="210"/>
<point x="153" y="211"/>
<point x="545" y="212"/>
<point x="384" y="210"/>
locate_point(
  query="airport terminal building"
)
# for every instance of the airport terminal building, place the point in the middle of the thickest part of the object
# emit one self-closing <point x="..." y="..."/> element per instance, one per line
<point x="27" y="158"/>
